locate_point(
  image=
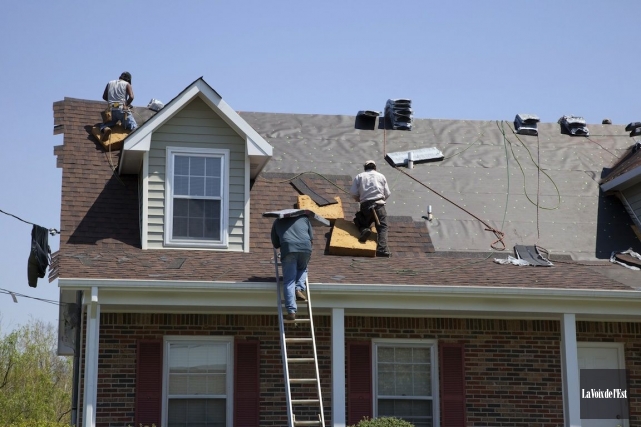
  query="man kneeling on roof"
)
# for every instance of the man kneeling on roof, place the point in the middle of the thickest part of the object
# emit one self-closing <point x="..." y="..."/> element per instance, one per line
<point x="119" y="94"/>
<point x="370" y="189"/>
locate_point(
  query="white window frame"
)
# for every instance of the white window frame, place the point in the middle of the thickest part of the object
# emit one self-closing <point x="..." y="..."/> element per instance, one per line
<point x="433" y="346"/>
<point x="224" y="155"/>
<point x="168" y="340"/>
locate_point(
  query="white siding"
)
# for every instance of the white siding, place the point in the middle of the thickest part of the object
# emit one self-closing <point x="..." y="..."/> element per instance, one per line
<point x="199" y="127"/>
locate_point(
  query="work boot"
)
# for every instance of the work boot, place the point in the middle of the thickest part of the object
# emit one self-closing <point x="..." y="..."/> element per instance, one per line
<point x="290" y="316"/>
<point x="365" y="235"/>
<point x="300" y="296"/>
<point x="106" y="133"/>
<point x="383" y="254"/>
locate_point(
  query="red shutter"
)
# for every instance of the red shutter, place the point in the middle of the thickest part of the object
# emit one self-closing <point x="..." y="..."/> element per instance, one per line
<point x="148" y="383"/>
<point x="451" y="361"/>
<point x="247" y="383"/>
<point x="359" y="381"/>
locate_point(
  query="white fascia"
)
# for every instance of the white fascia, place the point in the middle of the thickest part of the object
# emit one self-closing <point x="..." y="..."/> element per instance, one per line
<point x="624" y="181"/>
<point x="140" y="140"/>
<point x="410" y="299"/>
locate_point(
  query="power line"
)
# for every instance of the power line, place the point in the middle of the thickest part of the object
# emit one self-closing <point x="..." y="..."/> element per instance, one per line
<point x="18" y="294"/>
<point x="52" y="231"/>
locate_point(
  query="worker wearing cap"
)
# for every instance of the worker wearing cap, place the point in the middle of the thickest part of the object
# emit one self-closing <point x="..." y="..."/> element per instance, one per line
<point x="370" y="189"/>
<point x="119" y="94"/>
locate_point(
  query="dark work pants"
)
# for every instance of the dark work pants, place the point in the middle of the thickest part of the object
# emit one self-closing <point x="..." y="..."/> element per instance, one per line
<point x="365" y="217"/>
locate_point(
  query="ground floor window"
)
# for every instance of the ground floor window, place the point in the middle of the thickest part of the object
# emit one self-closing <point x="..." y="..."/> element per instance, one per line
<point x="406" y="381"/>
<point x="198" y="382"/>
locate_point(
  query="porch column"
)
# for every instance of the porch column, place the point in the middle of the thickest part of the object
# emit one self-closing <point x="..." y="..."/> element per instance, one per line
<point x="91" y="360"/>
<point x="338" y="367"/>
<point x="570" y="372"/>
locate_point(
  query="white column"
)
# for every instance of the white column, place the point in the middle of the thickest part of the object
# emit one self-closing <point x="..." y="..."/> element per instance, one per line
<point x="91" y="360"/>
<point x="338" y="368"/>
<point x="570" y="372"/>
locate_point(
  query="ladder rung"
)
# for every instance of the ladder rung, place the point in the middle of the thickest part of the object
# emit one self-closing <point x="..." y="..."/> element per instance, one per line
<point x="300" y="360"/>
<point x="302" y="380"/>
<point x="296" y="321"/>
<point x="307" y="423"/>
<point x="298" y="339"/>
<point x="304" y="401"/>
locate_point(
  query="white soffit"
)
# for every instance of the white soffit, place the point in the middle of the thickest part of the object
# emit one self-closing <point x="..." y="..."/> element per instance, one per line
<point x="140" y="140"/>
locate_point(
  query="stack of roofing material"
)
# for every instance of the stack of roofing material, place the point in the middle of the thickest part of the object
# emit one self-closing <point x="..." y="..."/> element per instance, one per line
<point x="634" y="128"/>
<point x="574" y="125"/>
<point x="398" y="112"/>
<point x="526" y="124"/>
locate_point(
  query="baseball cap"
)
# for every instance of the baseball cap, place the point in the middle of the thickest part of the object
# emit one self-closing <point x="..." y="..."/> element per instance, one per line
<point x="370" y="162"/>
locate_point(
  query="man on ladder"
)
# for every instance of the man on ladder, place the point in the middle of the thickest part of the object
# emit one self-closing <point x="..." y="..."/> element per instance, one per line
<point x="294" y="237"/>
<point x="292" y="233"/>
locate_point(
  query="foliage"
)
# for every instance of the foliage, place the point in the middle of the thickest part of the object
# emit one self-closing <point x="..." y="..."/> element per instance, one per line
<point x="35" y="383"/>
<point x="39" y="424"/>
<point x="383" y="422"/>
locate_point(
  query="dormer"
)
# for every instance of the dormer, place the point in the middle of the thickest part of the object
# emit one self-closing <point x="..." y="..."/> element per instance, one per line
<point x="195" y="159"/>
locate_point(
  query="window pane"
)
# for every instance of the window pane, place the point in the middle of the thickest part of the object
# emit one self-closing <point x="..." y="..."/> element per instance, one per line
<point x="216" y="384"/>
<point x="181" y="185"/>
<point x="417" y="412"/>
<point x="181" y="165"/>
<point x="386" y="383"/>
<point x="404" y="386"/>
<point x="196" y="185"/>
<point x="385" y="354"/>
<point x="197" y="166"/>
<point x="212" y="186"/>
<point x="196" y="413"/>
<point x="403" y="355"/>
<point x="214" y="167"/>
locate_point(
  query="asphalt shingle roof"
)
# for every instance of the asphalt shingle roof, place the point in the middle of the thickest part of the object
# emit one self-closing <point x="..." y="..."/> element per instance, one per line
<point x="100" y="230"/>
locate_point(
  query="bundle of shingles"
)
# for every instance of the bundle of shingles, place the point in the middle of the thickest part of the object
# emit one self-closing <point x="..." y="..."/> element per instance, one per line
<point x="628" y="259"/>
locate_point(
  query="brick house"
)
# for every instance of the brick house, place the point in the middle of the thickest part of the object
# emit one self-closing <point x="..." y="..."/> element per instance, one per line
<point x="179" y="324"/>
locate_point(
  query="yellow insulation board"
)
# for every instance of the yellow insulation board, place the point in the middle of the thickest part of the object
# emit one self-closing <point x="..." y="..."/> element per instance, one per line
<point x="344" y="240"/>
<point x="118" y="135"/>
<point x="329" y="212"/>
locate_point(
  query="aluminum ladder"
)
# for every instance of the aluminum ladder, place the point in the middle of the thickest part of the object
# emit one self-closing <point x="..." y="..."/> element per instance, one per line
<point x="303" y="358"/>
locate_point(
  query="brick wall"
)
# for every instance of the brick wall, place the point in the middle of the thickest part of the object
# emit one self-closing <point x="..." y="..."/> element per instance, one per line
<point x="513" y="373"/>
<point x="117" y="360"/>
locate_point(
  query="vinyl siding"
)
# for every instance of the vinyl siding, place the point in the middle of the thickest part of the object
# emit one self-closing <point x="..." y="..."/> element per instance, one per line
<point x="633" y="197"/>
<point x="196" y="126"/>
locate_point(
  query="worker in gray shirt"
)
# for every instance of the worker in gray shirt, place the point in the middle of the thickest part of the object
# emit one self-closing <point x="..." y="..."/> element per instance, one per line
<point x="370" y="189"/>
<point x="293" y="236"/>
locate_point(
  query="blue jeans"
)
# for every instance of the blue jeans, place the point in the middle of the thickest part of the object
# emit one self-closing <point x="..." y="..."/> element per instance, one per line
<point x="127" y="119"/>
<point x="294" y="277"/>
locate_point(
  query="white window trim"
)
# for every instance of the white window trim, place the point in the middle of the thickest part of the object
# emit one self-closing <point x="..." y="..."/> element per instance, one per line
<point x="168" y="219"/>
<point x="169" y="339"/>
<point x="433" y="345"/>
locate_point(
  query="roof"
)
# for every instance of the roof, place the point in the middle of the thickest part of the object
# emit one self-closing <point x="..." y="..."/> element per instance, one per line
<point x="99" y="215"/>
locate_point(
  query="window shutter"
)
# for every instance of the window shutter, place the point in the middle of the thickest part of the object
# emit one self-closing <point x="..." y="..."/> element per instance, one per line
<point x="359" y="381"/>
<point x="247" y="383"/>
<point x="451" y="361"/>
<point x="148" y="383"/>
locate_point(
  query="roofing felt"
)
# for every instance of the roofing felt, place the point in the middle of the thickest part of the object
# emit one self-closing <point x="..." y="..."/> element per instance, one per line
<point x="100" y="224"/>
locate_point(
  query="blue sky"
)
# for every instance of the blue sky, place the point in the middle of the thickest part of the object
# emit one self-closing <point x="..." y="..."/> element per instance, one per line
<point x="457" y="59"/>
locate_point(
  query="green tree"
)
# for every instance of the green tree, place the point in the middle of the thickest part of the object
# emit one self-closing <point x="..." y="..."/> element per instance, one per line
<point x="35" y="383"/>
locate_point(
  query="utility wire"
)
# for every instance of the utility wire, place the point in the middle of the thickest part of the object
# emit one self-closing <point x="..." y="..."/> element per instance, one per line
<point x="17" y="294"/>
<point x="52" y="231"/>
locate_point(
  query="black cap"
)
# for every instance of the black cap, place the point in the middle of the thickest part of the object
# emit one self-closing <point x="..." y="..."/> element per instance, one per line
<point x="126" y="76"/>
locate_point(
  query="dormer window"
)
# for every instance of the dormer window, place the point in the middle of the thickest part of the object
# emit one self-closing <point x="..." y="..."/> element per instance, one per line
<point x="196" y="213"/>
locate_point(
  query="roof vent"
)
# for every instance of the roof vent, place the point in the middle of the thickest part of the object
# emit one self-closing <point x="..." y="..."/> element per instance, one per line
<point x="368" y="113"/>
<point x="634" y="128"/>
<point x="526" y="124"/>
<point x="399" y="113"/>
<point x="606" y="122"/>
<point x="573" y="125"/>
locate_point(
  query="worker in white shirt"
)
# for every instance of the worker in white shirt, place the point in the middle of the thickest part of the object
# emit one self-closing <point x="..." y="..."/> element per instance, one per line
<point x="370" y="189"/>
